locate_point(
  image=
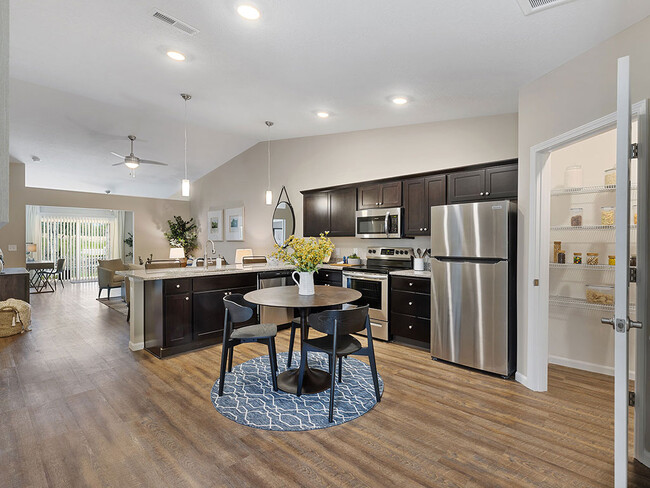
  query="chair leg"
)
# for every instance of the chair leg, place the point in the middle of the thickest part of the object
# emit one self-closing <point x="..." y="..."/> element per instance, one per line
<point x="61" y="282"/>
<point x="291" y="339"/>
<point x="99" y="295"/>
<point x="275" y="355"/>
<point x="373" y="370"/>
<point x="128" y="312"/>
<point x="109" y="292"/>
<point x="222" y="371"/>
<point x="332" y="384"/>
<point x="301" y="373"/>
<point x="232" y="353"/>
<point x="340" y="369"/>
<point x="272" y="359"/>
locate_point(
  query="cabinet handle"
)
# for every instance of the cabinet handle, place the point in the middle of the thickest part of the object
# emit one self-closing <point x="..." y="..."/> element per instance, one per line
<point x="425" y="228"/>
<point x="410" y="326"/>
<point x="178" y="286"/>
<point x="420" y="229"/>
<point x="487" y="193"/>
<point x="187" y="298"/>
<point x="410" y="303"/>
<point x="482" y="193"/>
<point x="411" y="284"/>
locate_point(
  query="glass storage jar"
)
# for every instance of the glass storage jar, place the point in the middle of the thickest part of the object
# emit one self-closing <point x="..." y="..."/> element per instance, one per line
<point x="607" y="215"/>
<point x="610" y="177"/>
<point x="634" y="214"/>
<point x="561" y="256"/>
<point x="611" y="260"/>
<point x="592" y="258"/>
<point x="557" y="246"/>
<point x="600" y="294"/>
<point x="576" y="217"/>
<point x="573" y="177"/>
<point x="577" y="258"/>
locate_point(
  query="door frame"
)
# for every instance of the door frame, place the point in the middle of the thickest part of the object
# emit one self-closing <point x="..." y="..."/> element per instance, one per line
<point x="539" y="242"/>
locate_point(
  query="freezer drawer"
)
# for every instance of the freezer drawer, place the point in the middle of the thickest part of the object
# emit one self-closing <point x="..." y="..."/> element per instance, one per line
<point x="469" y="313"/>
<point x="478" y="230"/>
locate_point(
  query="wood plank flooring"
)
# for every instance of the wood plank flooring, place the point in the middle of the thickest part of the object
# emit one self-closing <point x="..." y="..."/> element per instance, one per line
<point x="77" y="408"/>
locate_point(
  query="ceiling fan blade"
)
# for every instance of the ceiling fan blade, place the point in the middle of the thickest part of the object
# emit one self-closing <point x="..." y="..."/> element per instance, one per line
<point x="147" y="161"/>
<point x="118" y="164"/>
<point x="118" y="155"/>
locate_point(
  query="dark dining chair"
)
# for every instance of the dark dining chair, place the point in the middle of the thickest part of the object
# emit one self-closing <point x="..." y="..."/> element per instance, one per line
<point x="57" y="273"/>
<point x="339" y="325"/>
<point x="239" y="310"/>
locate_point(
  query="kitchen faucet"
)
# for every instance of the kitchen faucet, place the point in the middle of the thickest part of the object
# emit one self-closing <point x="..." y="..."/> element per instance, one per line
<point x="205" y="252"/>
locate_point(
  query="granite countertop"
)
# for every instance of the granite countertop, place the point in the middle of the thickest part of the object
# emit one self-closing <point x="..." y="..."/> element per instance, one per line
<point x="412" y="273"/>
<point x="191" y="272"/>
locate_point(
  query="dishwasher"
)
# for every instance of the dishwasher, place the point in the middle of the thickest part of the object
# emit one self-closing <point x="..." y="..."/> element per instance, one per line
<point x="271" y="279"/>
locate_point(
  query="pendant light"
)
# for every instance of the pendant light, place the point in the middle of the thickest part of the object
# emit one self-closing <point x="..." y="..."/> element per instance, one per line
<point x="185" y="184"/>
<point x="269" y="193"/>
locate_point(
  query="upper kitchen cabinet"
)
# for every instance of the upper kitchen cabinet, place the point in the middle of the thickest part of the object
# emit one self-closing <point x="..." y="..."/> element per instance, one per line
<point x="332" y="211"/>
<point x="420" y="194"/>
<point x="492" y="183"/>
<point x="380" y="195"/>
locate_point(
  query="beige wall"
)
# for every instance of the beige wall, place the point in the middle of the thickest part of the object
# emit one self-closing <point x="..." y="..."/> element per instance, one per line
<point x="574" y="94"/>
<point x="150" y="215"/>
<point x="4" y="113"/>
<point x="313" y="162"/>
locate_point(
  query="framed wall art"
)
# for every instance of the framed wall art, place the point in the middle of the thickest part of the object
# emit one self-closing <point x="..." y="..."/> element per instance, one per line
<point x="234" y="223"/>
<point x="215" y="225"/>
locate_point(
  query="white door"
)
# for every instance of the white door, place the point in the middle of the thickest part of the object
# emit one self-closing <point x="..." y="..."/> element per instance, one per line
<point x="621" y="321"/>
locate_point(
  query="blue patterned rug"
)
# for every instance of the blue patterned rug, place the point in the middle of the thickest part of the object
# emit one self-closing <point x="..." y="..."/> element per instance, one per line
<point x="248" y="396"/>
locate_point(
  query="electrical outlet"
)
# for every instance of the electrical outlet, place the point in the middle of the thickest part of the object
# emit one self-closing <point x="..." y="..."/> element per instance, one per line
<point x="12" y="247"/>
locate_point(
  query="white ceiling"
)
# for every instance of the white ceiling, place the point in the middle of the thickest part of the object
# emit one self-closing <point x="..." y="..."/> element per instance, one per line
<point x="87" y="73"/>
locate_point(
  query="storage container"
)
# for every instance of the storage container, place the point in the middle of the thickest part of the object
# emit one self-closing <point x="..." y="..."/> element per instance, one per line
<point x="576" y="217"/>
<point x="592" y="258"/>
<point x="600" y="294"/>
<point x="610" y="177"/>
<point x="611" y="260"/>
<point x="607" y="215"/>
<point x="557" y="245"/>
<point x="561" y="256"/>
<point x="577" y="258"/>
<point x="634" y="214"/>
<point x="573" y="177"/>
<point x="633" y="260"/>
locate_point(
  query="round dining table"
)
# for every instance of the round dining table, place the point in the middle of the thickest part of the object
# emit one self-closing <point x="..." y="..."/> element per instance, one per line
<point x="315" y="380"/>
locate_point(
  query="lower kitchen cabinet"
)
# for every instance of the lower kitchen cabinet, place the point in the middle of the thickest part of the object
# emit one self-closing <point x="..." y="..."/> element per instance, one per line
<point x="178" y="319"/>
<point x="328" y="277"/>
<point x="209" y="313"/>
<point x="410" y="311"/>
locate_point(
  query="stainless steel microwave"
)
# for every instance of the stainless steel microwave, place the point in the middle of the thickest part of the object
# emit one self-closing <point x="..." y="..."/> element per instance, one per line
<point x="379" y="223"/>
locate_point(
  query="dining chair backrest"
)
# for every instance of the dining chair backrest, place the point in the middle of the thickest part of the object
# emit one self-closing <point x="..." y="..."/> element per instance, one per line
<point x="60" y="264"/>
<point x="347" y="321"/>
<point x="237" y="308"/>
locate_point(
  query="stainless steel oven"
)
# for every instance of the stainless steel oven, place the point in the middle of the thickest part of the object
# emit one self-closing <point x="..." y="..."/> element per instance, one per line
<point x="374" y="292"/>
<point x="380" y="223"/>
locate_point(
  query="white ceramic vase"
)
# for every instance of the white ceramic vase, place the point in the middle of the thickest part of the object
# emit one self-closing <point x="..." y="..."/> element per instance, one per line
<point x="306" y="282"/>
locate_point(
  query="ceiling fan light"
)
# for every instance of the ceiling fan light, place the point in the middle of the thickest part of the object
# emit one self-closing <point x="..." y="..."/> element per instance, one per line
<point x="185" y="188"/>
<point x="131" y="164"/>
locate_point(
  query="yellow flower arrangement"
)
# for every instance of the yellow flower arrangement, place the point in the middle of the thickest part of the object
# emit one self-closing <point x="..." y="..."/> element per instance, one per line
<point x="305" y="253"/>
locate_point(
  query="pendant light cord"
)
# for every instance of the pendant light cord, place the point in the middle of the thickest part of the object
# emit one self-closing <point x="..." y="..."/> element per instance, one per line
<point x="268" y="150"/>
<point x="185" y="137"/>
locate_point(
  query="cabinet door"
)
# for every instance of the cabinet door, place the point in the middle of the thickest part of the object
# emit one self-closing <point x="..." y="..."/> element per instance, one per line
<point x="368" y="196"/>
<point x="209" y="312"/>
<point x="415" y="209"/>
<point x="315" y="213"/>
<point x="178" y="319"/>
<point x="390" y="194"/>
<point x="501" y="182"/>
<point x="435" y="188"/>
<point x="466" y="186"/>
<point x="342" y="212"/>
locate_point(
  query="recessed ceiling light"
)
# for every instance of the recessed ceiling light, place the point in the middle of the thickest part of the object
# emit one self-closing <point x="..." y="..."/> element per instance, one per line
<point x="248" y="12"/>
<point x="399" y="100"/>
<point x="322" y="115"/>
<point x="176" y="56"/>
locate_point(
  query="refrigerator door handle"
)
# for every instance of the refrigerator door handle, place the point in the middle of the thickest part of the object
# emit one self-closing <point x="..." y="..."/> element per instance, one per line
<point x="453" y="259"/>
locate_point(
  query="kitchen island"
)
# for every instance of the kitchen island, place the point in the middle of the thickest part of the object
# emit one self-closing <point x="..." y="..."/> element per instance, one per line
<point x="180" y="309"/>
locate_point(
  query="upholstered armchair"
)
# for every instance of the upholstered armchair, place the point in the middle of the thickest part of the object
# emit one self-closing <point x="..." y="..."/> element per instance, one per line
<point x="106" y="276"/>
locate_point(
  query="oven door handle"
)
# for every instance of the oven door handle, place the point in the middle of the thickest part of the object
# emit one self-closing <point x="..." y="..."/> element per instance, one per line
<point x="386" y="223"/>
<point x="366" y="276"/>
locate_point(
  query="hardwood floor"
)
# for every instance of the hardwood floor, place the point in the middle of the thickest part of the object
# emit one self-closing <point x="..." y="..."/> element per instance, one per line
<point x="77" y="408"/>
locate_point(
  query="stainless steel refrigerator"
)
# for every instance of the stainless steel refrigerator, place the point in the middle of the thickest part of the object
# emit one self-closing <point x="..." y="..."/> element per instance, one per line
<point x="473" y="289"/>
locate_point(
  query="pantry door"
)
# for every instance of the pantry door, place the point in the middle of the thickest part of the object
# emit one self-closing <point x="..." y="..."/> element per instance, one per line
<point x="621" y="322"/>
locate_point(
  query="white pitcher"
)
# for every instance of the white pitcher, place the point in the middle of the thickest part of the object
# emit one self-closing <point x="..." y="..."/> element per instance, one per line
<point x="306" y="282"/>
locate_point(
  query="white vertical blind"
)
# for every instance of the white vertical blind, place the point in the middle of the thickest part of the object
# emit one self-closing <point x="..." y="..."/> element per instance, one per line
<point x="82" y="241"/>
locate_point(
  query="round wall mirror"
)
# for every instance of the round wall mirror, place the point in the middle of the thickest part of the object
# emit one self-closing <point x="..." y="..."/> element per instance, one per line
<point x="284" y="222"/>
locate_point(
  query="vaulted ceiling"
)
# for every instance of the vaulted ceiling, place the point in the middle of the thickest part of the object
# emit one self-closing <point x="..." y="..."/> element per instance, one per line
<point x="85" y="74"/>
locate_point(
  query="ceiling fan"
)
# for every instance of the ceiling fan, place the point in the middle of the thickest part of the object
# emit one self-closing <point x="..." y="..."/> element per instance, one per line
<point x="132" y="161"/>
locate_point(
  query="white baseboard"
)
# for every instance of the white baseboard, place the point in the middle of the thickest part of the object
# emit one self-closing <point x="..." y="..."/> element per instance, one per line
<point x="520" y="378"/>
<point x="585" y="366"/>
<point x="136" y="346"/>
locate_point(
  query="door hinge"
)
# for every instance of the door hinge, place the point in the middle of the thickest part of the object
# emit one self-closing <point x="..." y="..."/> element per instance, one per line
<point x="632" y="275"/>
<point x="631" y="398"/>
<point x="634" y="151"/>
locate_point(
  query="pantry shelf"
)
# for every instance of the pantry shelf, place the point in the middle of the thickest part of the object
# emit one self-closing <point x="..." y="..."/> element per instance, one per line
<point x="587" y="227"/>
<point x="588" y="267"/>
<point x="581" y="303"/>
<point x="587" y="189"/>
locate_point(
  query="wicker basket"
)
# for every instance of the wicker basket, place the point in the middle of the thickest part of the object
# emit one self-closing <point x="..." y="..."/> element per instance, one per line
<point x="9" y="324"/>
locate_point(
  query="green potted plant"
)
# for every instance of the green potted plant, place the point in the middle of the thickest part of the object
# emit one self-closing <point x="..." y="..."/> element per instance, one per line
<point x="182" y="233"/>
<point x="354" y="259"/>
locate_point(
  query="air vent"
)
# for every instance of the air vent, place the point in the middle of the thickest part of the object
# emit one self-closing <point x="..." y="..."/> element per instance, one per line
<point x="534" y="6"/>
<point x="178" y="24"/>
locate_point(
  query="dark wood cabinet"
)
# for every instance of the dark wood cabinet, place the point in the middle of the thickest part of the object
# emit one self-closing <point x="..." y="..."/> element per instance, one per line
<point x="178" y="319"/>
<point x="210" y="312"/>
<point x="332" y="211"/>
<point x="493" y="183"/>
<point x="328" y="277"/>
<point x="410" y="310"/>
<point x="379" y="195"/>
<point x="420" y="194"/>
<point x="14" y="283"/>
